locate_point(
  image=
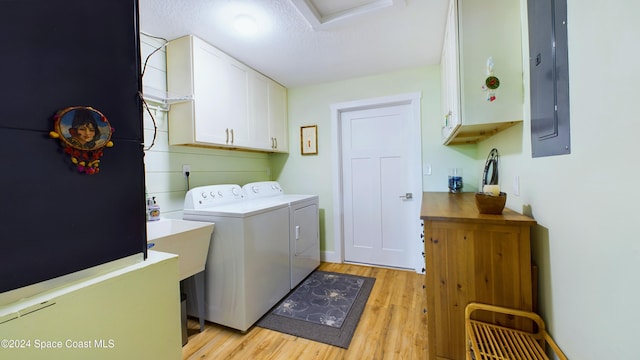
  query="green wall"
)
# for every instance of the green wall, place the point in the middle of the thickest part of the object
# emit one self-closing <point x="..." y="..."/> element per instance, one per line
<point x="585" y="244"/>
<point x="310" y="105"/>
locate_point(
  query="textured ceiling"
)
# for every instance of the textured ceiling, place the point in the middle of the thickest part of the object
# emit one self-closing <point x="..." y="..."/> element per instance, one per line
<point x="292" y="52"/>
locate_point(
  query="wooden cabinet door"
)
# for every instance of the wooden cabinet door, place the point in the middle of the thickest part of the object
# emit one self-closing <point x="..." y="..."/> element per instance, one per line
<point x="473" y="262"/>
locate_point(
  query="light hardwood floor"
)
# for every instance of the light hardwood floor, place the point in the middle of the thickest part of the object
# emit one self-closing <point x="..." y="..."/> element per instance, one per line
<point x="392" y="326"/>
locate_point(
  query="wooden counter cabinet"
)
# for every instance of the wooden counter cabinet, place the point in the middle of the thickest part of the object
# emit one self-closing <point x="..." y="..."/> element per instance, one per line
<point x="471" y="257"/>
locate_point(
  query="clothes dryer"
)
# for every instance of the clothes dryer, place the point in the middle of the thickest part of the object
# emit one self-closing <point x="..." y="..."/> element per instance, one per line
<point x="304" y="232"/>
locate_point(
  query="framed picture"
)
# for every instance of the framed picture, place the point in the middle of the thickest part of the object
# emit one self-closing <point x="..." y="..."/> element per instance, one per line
<point x="309" y="140"/>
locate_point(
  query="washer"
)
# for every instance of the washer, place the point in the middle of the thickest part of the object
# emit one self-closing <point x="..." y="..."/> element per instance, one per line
<point x="304" y="233"/>
<point x="247" y="270"/>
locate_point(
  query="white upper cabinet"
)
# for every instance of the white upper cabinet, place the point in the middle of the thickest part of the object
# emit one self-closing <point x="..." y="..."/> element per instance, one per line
<point x="476" y="32"/>
<point x="278" y="129"/>
<point x="230" y="104"/>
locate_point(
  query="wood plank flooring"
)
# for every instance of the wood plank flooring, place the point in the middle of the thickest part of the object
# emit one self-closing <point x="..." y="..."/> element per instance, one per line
<point x="392" y="326"/>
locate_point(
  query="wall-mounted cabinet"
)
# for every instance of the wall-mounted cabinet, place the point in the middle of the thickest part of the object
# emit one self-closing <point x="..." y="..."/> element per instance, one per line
<point x="475" y="32"/>
<point x="233" y="105"/>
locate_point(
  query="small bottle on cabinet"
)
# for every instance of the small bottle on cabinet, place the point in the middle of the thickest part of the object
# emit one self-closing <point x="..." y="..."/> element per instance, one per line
<point x="153" y="210"/>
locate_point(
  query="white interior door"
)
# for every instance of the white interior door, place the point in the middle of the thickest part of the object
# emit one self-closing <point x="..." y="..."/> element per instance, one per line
<point x="380" y="193"/>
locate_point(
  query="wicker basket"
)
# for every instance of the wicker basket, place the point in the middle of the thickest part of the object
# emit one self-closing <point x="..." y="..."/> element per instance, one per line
<point x="488" y="204"/>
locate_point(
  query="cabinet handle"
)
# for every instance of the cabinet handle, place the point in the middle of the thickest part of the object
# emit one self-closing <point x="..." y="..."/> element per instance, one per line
<point x="446" y="119"/>
<point x="227" y="130"/>
<point x="232" y="137"/>
<point x="276" y="141"/>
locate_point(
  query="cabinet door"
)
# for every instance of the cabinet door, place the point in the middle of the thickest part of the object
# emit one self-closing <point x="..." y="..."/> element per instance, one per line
<point x="449" y="69"/>
<point x="480" y="39"/>
<point x="470" y="111"/>
<point x="268" y="114"/>
<point x="237" y="103"/>
<point x="473" y="262"/>
<point x="278" y="129"/>
<point x="259" y="111"/>
<point x="210" y="124"/>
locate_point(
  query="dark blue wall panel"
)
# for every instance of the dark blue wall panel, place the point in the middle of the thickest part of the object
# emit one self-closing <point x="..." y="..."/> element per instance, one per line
<point x="53" y="219"/>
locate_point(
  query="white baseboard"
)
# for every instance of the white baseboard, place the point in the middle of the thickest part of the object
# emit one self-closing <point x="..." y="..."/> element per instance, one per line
<point x="333" y="257"/>
<point x="330" y="256"/>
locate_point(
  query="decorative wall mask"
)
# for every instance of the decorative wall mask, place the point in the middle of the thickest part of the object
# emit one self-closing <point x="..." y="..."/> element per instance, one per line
<point x="83" y="132"/>
<point x="491" y="83"/>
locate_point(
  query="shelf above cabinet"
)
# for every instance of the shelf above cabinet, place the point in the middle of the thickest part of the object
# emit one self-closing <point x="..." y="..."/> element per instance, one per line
<point x="472" y="134"/>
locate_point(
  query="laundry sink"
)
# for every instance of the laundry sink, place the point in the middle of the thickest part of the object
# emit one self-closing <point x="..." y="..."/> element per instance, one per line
<point x="188" y="239"/>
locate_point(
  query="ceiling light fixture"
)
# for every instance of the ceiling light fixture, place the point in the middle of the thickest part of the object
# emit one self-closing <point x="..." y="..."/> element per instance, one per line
<point x="321" y="13"/>
<point x="245" y="25"/>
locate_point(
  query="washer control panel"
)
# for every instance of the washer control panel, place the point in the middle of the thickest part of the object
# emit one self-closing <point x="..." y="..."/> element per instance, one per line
<point x="212" y="195"/>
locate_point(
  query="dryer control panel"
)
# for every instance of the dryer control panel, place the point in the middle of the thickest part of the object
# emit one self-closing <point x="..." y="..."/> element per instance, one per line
<point x="262" y="189"/>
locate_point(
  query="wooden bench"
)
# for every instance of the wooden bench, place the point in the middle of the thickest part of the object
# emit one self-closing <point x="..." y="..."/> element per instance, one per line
<point x="495" y="342"/>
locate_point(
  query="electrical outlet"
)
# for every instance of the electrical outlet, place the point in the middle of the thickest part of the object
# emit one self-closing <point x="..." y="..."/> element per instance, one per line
<point x="186" y="170"/>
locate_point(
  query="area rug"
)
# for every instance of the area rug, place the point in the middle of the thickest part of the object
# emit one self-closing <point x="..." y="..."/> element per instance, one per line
<point x="326" y="307"/>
